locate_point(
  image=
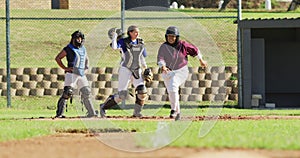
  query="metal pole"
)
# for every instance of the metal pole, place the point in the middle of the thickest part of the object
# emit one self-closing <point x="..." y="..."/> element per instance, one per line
<point x="239" y="10"/>
<point x="240" y="94"/>
<point x="122" y="15"/>
<point x="8" y="54"/>
<point x="8" y="97"/>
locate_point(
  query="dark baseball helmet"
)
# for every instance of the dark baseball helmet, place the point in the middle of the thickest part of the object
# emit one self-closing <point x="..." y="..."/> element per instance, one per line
<point x="172" y="30"/>
<point x="76" y="35"/>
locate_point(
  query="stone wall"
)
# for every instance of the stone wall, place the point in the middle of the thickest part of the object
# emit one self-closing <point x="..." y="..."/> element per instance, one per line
<point x="214" y="83"/>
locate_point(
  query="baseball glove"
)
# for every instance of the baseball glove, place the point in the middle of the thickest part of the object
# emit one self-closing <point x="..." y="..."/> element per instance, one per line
<point x="148" y="75"/>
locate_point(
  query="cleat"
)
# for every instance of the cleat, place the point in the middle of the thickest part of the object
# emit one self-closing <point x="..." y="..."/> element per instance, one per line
<point x="60" y="116"/>
<point x="137" y="115"/>
<point x="90" y="116"/>
<point x="177" y="118"/>
<point x="137" y="111"/>
<point x="172" y="114"/>
<point x="102" y="111"/>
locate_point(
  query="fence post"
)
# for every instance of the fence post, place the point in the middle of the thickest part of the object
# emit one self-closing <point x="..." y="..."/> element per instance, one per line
<point x="123" y="15"/>
<point x="8" y="95"/>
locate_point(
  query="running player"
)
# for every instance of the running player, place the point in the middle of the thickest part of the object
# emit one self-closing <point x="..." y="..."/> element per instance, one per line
<point x="172" y="59"/>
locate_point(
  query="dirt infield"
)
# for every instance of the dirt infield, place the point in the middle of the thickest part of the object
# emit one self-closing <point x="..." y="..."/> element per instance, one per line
<point x="82" y="145"/>
<point x="85" y="146"/>
<point x="190" y="118"/>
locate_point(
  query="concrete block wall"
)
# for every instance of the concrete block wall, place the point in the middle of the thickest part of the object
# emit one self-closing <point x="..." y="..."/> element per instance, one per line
<point x="202" y="84"/>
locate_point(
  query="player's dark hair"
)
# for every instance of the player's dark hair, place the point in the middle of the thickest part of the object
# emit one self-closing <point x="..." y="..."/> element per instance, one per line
<point x="130" y="29"/>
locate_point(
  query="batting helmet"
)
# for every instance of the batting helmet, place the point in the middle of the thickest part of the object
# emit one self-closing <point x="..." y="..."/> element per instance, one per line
<point x="172" y="30"/>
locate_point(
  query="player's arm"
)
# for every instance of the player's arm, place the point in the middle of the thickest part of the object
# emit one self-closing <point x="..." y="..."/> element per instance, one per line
<point x="192" y="50"/>
<point x="86" y="68"/>
<point x="114" y="42"/>
<point x="203" y="63"/>
<point x="161" y="61"/>
<point x="59" y="58"/>
<point x="145" y="53"/>
<point x="143" y="62"/>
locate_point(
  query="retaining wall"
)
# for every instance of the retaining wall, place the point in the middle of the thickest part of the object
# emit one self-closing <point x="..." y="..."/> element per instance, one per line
<point x="209" y="84"/>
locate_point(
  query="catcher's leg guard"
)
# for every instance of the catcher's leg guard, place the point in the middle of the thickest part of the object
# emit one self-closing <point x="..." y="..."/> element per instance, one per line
<point x="109" y="102"/>
<point x="61" y="106"/>
<point x="85" y="95"/>
<point x="141" y="95"/>
<point x="62" y="102"/>
<point x="137" y="110"/>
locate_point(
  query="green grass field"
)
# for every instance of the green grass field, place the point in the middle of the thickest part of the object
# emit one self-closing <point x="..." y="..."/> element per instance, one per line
<point x="35" y="44"/>
<point x="16" y="124"/>
<point x="36" y="40"/>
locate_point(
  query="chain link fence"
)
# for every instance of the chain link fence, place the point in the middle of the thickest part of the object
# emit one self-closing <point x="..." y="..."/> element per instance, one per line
<point x="39" y="31"/>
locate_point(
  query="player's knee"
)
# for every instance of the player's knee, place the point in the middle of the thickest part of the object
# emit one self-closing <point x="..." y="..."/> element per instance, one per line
<point x="141" y="94"/>
<point x="68" y="92"/>
<point x="85" y="92"/>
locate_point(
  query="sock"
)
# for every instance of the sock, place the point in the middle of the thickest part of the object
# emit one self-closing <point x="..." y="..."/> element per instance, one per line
<point x="174" y="100"/>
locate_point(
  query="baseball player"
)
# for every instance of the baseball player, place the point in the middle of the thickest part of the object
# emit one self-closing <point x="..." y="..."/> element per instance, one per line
<point x="77" y="60"/>
<point x="172" y="59"/>
<point x="133" y="62"/>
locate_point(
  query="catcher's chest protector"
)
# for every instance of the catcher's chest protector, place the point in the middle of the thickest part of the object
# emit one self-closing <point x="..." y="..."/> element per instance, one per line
<point x="132" y="55"/>
<point x="76" y="58"/>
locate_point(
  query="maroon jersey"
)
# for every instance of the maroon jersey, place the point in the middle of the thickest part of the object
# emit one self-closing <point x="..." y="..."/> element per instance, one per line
<point x="176" y="57"/>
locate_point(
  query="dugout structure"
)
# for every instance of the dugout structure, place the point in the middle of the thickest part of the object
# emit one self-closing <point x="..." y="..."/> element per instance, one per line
<point x="270" y="62"/>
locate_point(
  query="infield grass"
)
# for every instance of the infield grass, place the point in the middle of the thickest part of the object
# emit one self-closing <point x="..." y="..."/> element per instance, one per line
<point x="16" y="124"/>
<point x="35" y="44"/>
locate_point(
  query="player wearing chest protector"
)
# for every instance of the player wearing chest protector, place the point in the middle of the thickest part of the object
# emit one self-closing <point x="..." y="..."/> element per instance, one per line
<point x="77" y="61"/>
<point x="133" y="62"/>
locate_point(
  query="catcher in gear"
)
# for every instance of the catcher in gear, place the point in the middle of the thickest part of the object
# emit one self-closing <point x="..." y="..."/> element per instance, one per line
<point x="77" y="60"/>
<point x="133" y="54"/>
<point x="172" y="58"/>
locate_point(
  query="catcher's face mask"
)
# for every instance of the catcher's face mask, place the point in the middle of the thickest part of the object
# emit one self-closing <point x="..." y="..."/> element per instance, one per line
<point x="112" y="30"/>
<point x="78" y="41"/>
<point x="77" y="38"/>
